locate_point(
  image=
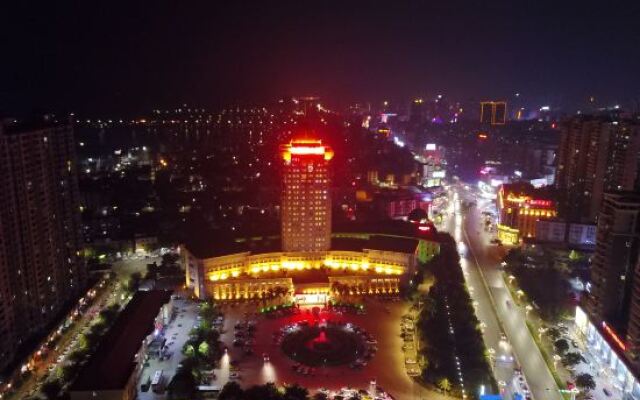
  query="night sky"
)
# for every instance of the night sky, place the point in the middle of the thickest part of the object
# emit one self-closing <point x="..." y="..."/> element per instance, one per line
<point x="120" y="57"/>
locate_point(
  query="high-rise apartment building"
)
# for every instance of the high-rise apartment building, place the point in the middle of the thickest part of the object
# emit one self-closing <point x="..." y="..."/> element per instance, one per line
<point x="306" y="198"/>
<point x="40" y="266"/>
<point x="597" y="154"/>
<point x="614" y="262"/>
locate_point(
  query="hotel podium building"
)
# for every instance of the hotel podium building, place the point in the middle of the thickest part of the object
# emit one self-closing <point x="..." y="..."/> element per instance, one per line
<point x="306" y="260"/>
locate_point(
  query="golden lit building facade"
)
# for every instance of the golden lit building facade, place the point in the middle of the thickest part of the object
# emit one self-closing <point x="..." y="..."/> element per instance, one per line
<point x="519" y="207"/>
<point x="375" y="264"/>
<point x="306" y="198"/>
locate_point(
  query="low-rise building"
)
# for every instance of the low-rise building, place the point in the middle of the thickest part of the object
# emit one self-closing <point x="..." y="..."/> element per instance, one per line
<point x="113" y="371"/>
<point x="520" y="206"/>
<point x="367" y="263"/>
<point x="572" y="234"/>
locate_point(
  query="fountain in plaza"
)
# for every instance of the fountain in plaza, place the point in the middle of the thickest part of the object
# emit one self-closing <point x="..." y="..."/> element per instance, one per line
<point x="321" y="343"/>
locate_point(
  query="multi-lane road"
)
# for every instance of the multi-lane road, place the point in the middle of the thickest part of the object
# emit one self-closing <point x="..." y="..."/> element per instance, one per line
<point x="494" y="307"/>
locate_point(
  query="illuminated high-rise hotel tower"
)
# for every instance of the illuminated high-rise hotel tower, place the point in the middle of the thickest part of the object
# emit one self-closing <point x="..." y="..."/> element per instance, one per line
<point x="306" y="201"/>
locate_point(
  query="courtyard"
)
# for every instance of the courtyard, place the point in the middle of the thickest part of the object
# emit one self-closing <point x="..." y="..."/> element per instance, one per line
<point x="382" y="323"/>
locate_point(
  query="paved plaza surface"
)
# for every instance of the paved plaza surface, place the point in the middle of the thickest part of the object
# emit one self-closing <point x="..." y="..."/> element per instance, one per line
<point x="387" y="367"/>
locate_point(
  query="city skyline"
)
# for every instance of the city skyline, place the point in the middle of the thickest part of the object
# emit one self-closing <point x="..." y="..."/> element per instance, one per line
<point x="320" y="201"/>
<point x="111" y="59"/>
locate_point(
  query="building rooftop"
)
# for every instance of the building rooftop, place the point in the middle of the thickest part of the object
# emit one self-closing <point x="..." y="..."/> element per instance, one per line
<point x="386" y="227"/>
<point x="310" y="276"/>
<point x="375" y="242"/>
<point x="207" y="246"/>
<point x="113" y="362"/>
<point x="400" y="236"/>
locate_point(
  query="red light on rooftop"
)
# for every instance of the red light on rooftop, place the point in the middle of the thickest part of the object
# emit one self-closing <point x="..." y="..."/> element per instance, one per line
<point x="306" y="147"/>
<point x="303" y="150"/>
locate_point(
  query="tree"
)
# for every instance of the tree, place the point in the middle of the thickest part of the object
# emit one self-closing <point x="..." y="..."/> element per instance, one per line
<point x="134" y="282"/>
<point x="208" y="310"/>
<point x="561" y="346"/>
<point x="67" y="372"/>
<point x="108" y="315"/>
<point x="85" y="341"/>
<point x="320" y="396"/>
<point x="572" y="358"/>
<point x="203" y="349"/>
<point x="296" y="392"/>
<point x="51" y="389"/>
<point x="262" y="392"/>
<point x="77" y="356"/>
<point x="188" y="350"/>
<point x="182" y="385"/>
<point x="231" y="391"/>
<point x="444" y="385"/>
<point x="585" y="382"/>
<point x="554" y="333"/>
<point x="574" y="255"/>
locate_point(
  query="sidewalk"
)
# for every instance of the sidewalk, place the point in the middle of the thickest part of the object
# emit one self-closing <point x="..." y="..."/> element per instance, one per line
<point x="593" y="366"/>
<point x="596" y="368"/>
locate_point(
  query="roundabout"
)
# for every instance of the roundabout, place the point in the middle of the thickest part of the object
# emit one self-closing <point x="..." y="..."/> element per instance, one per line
<point x="325" y="344"/>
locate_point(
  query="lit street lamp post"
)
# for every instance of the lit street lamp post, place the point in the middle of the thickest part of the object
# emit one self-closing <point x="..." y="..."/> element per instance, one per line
<point x="541" y="330"/>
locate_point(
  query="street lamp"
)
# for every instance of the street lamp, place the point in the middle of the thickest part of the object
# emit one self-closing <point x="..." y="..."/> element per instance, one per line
<point x="527" y="309"/>
<point x="511" y="278"/>
<point x="556" y="358"/>
<point x="541" y="330"/>
<point x="492" y="353"/>
<point x="520" y="293"/>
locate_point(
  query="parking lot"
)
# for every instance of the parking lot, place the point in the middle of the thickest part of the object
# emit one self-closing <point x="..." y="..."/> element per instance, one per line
<point x="382" y="321"/>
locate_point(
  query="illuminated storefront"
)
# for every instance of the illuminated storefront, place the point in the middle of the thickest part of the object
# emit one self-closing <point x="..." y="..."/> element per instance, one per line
<point x="508" y="235"/>
<point x="608" y="349"/>
<point x="518" y="211"/>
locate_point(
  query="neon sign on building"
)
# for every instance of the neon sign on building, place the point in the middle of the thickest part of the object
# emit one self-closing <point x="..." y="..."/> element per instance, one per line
<point x="612" y="334"/>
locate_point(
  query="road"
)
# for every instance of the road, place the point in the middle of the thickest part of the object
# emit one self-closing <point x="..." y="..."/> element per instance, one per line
<point x="494" y="305"/>
<point x="40" y="366"/>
